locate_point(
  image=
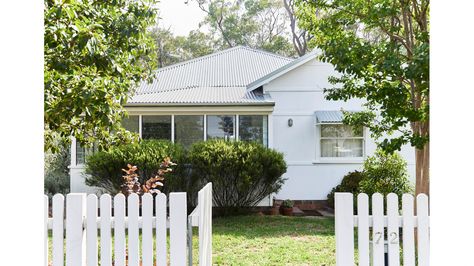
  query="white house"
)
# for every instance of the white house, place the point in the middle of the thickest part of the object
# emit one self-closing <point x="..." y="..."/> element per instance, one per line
<point x="261" y="96"/>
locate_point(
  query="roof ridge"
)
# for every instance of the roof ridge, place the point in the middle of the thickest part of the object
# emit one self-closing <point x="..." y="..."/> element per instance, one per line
<point x="197" y="59"/>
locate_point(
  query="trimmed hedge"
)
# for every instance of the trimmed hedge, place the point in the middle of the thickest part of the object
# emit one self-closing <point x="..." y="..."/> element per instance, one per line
<point x="242" y="173"/>
<point x="104" y="168"/>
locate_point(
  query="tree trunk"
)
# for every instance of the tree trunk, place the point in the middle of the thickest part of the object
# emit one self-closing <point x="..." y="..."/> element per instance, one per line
<point x="422" y="170"/>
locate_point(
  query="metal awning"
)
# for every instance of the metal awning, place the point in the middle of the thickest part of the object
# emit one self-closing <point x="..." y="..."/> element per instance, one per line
<point x="328" y="117"/>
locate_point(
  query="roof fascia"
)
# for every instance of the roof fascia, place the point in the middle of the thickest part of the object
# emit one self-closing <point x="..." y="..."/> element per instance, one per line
<point x="282" y="70"/>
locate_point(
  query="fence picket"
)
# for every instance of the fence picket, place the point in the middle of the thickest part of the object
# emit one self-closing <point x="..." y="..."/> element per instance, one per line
<point x="105" y="230"/>
<point x="75" y="242"/>
<point x="345" y="229"/>
<point x="161" y="245"/>
<point x="363" y="229"/>
<point x="378" y="239"/>
<point x="119" y="230"/>
<point x="147" y="231"/>
<point x="423" y="230"/>
<point x="82" y="226"/>
<point x="205" y="225"/>
<point x="46" y="235"/>
<point x="393" y="231"/>
<point x="408" y="230"/>
<point x="133" y="230"/>
<point x="58" y="230"/>
<point x="178" y="224"/>
<point x="91" y="231"/>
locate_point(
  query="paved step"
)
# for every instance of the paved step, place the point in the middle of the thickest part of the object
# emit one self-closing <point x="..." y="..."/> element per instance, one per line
<point x="297" y="211"/>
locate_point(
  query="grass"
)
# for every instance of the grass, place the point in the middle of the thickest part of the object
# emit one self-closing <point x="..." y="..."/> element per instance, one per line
<point x="271" y="240"/>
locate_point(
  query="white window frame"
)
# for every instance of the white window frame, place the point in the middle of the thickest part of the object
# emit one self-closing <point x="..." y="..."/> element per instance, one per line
<point x="347" y="160"/>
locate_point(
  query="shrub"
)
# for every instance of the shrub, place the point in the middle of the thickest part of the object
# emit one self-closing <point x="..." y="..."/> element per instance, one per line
<point x="104" y="168"/>
<point x="56" y="171"/>
<point x="385" y="173"/>
<point x="349" y="183"/>
<point x="242" y="173"/>
<point x="287" y="204"/>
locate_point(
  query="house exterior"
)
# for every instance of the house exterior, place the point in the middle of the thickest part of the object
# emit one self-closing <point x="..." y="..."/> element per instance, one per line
<point x="247" y="94"/>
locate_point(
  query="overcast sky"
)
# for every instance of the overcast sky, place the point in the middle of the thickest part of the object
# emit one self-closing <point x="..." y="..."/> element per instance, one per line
<point x="180" y="17"/>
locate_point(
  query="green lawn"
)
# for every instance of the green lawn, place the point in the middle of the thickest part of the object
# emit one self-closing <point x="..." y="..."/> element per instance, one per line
<point x="271" y="240"/>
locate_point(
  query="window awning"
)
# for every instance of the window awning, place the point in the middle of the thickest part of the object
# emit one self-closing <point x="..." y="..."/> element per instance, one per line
<point x="328" y="117"/>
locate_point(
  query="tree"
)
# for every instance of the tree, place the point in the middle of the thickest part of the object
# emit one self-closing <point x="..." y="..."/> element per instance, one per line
<point x="381" y="50"/>
<point x="174" y="49"/>
<point x="299" y="37"/>
<point x="95" y="53"/>
<point x="260" y="24"/>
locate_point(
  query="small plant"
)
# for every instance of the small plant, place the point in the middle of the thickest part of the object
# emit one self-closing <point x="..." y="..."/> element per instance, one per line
<point x="132" y="183"/>
<point x="287" y="204"/>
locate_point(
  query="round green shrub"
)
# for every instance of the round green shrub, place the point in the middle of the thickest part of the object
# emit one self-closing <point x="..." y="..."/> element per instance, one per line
<point x="349" y="183"/>
<point x="104" y="168"/>
<point x="242" y="173"/>
<point x="385" y="173"/>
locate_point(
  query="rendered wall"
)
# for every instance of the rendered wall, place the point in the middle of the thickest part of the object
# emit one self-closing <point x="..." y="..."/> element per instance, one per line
<point x="297" y="94"/>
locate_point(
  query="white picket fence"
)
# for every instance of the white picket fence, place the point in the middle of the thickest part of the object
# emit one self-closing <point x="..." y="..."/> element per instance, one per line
<point x="83" y="226"/>
<point x="372" y="246"/>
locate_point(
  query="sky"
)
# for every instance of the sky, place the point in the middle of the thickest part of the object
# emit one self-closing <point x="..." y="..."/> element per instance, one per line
<point x="181" y="18"/>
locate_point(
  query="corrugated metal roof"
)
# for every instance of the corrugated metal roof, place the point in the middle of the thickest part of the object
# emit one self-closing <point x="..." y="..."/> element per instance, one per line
<point x="328" y="116"/>
<point x="210" y="78"/>
<point x="201" y="95"/>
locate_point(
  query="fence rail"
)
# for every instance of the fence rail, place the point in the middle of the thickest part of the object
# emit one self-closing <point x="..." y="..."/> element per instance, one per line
<point x="82" y="228"/>
<point x="378" y="235"/>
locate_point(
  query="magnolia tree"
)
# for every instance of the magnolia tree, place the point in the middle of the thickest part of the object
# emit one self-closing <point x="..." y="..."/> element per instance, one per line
<point x="381" y="49"/>
<point x="95" y="53"/>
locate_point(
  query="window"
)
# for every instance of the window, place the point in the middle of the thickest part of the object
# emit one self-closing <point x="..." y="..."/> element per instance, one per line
<point x="341" y="141"/>
<point x="253" y="128"/>
<point x="156" y="127"/>
<point x="188" y="129"/>
<point x="131" y="123"/>
<point x="82" y="152"/>
<point x="220" y="127"/>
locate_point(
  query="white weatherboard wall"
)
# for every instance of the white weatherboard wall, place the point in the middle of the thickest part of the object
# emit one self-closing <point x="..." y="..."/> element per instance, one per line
<point x="297" y="95"/>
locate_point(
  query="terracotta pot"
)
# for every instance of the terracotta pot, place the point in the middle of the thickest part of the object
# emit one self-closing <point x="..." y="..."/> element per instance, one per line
<point x="287" y="211"/>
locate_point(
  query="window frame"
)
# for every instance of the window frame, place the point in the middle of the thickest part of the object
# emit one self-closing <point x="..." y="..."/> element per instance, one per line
<point x="320" y="159"/>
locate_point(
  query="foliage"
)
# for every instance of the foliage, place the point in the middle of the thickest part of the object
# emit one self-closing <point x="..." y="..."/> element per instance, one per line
<point x="56" y="171"/>
<point x="242" y="173"/>
<point x="95" y="52"/>
<point x="287" y="204"/>
<point x="174" y="49"/>
<point x="350" y="183"/>
<point x="132" y="184"/>
<point x="381" y="50"/>
<point x="385" y="173"/>
<point x="260" y="24"/>
<point x="104" y="168"/>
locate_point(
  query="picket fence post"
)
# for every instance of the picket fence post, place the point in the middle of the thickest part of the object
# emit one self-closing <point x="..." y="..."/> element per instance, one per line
<point x="205" y="225"/>
<point x="178" y="228"/>
<point x="75" y="242"/>
<point x="344" y="214"/>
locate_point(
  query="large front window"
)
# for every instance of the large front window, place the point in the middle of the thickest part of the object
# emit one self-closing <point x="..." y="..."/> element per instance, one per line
<point x="188" y="129"/>
<point x="156" y="127"/>
<point x="338" y="140"/>
<point x="220" y="127"/>
<point x="253" y="128"/>
<point x="131" y="123"/>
